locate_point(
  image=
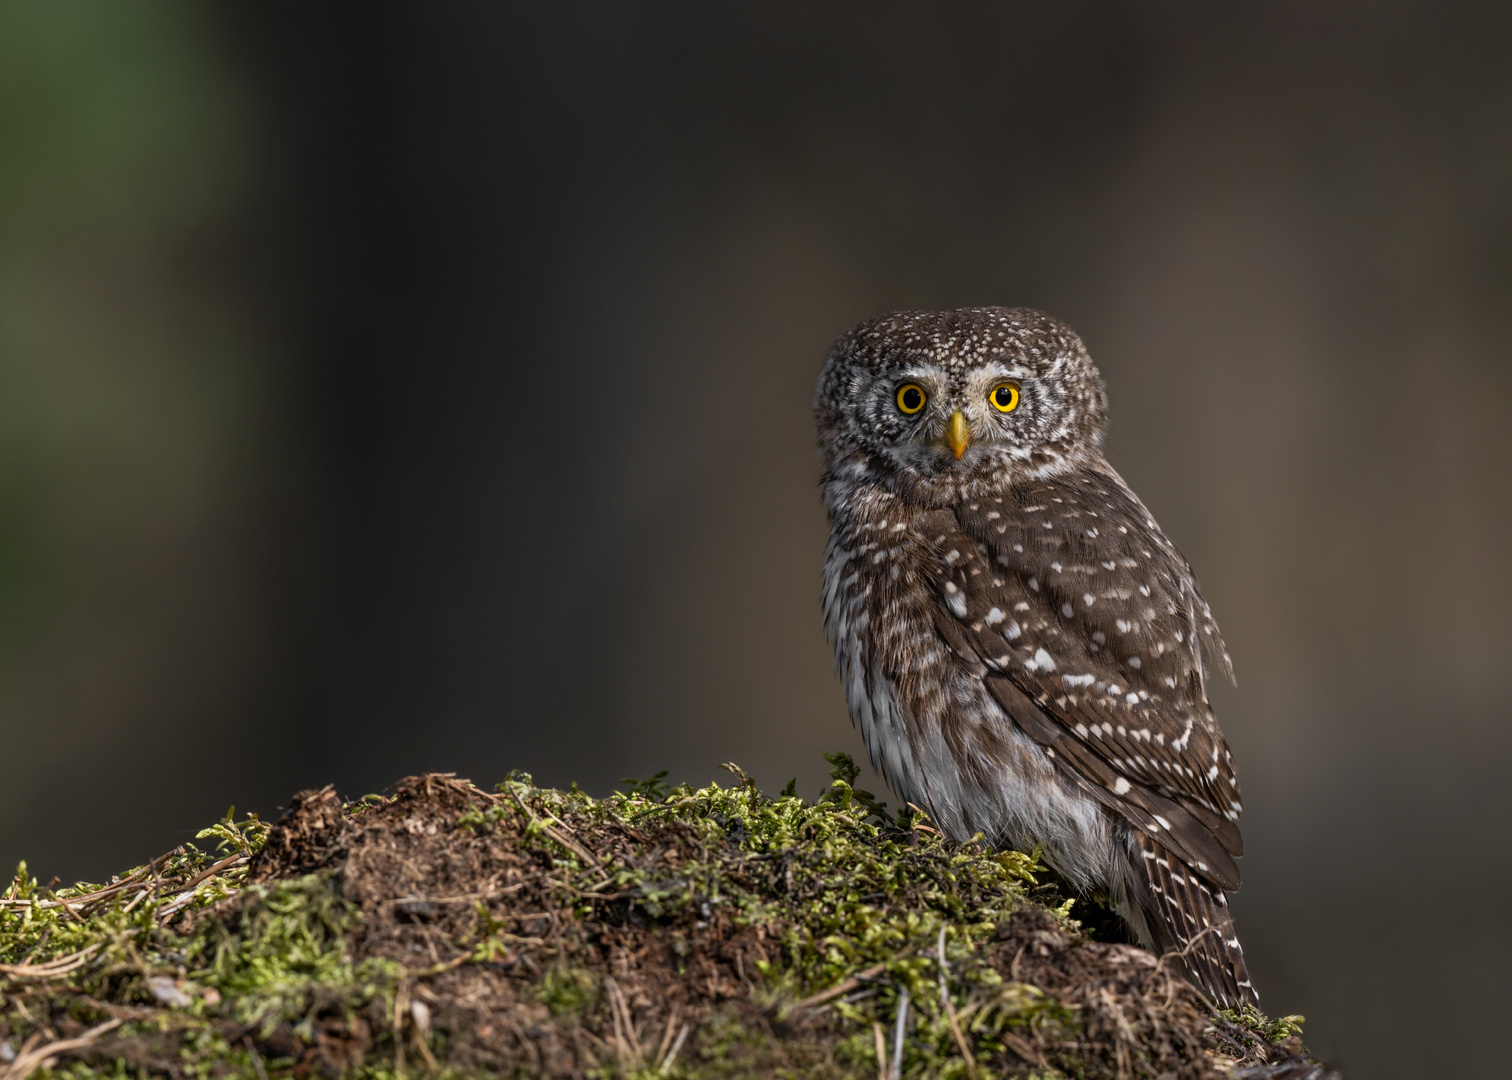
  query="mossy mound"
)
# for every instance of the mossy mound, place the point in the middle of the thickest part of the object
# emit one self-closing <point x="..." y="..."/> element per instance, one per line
<point x="532" y="932"/>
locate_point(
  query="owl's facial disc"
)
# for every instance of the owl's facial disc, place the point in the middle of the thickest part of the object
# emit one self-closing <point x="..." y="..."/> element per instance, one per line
<point x="951" y="396"/>
<point x="936" y="420"/>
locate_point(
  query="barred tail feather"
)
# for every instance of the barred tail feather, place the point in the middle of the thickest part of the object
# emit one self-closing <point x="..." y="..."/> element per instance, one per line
<point x="1192" y="917"/>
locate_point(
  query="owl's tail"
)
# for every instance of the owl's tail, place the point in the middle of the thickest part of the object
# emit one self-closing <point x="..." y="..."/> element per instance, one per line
<point x="1190" y="917"/>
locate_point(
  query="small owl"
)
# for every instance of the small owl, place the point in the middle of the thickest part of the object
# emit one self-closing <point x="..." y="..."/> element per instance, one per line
<point x="1022" y="647"/>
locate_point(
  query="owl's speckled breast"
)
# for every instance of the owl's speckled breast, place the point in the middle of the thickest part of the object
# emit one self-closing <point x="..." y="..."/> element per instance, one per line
<point x="941" y="741"/>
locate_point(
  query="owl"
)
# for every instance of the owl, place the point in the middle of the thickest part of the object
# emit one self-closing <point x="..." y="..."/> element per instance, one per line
<point x="1024" y="651"/>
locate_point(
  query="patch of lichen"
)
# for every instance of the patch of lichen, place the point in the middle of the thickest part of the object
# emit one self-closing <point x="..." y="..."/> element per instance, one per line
<point x="659" y="931"/>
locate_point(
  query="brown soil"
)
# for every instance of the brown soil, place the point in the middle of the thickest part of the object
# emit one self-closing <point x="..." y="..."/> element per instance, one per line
<point x="593" y="981"/>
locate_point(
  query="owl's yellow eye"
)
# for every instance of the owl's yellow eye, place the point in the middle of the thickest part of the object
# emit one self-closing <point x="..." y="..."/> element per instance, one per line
<point x="910" y="398"/>
<point x="1004" y="396"/>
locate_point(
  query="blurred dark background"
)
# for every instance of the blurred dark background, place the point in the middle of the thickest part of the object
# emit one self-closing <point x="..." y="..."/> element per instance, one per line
<point x="428" y="387"/>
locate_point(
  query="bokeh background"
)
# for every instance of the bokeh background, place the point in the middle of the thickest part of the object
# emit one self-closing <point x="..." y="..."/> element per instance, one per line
<point x="428" y="386"/>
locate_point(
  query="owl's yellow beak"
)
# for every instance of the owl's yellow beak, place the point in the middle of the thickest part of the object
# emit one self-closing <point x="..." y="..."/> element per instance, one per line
<point x="957" y="434"/>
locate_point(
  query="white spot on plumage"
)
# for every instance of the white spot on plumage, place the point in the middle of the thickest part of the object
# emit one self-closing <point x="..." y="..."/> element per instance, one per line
<point x="1180" y="745"/>
<point x="1121" y="786"/>
<point x="993" y="617"/>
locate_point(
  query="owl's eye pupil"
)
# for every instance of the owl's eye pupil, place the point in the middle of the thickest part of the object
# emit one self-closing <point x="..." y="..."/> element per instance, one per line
<point x="910" y="398"/>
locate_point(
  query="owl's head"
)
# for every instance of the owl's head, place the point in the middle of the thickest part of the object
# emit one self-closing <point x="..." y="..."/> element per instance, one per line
<point x="945" y="398"/>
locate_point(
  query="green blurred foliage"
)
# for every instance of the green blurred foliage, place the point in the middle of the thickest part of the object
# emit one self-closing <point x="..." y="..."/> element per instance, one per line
<point x="125" y="160"/>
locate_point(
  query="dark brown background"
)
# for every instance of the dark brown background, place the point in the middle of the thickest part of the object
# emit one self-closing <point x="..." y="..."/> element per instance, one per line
<point x="430" y="389"/>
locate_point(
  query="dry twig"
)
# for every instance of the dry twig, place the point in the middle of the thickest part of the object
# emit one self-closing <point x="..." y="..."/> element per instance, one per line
<point x="29" y="1060"/>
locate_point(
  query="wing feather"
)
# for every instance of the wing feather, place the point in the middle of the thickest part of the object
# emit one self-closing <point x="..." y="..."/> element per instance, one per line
<point x="1088" y="628"/>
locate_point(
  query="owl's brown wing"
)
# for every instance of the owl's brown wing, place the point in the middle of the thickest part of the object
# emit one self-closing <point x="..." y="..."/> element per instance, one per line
<point x="1085" y="623"/>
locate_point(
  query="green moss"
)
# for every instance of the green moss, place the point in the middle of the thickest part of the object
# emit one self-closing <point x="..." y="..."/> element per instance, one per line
<point x="284" y="958"/>
<point x="566" y="990"/>
<point x="787" y="936"/>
